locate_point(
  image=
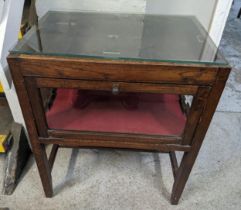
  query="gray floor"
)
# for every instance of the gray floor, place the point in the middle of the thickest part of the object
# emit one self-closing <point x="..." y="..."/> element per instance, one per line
<point x="231" y="48"/>
<point x="103" y="179"/>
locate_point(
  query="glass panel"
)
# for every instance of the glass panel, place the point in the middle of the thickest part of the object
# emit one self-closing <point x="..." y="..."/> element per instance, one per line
<point x="135" y="113"/>
<point x="144" y="37"/>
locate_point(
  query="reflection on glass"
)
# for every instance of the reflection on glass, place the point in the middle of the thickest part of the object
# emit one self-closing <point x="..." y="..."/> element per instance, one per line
<point x="121" y="36"/>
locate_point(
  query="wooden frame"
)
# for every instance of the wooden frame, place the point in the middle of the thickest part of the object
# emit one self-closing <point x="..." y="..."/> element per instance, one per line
<point x="205" y="82"/>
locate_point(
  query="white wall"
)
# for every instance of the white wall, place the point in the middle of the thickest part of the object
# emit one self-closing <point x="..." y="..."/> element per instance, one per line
<point x="202" y="9"/>
<point x="9" y="28"/>
<point x="125" y="6"/>
<point x="219" y="19"/>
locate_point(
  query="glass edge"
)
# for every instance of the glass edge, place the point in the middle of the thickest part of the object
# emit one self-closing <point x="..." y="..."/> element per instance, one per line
<point x="122" y="58"/>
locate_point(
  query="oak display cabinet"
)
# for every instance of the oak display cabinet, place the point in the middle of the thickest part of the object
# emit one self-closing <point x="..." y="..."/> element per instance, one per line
<point x="127" y="81"/>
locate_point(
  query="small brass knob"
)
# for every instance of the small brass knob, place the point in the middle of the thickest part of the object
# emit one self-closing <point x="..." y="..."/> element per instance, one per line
<point x="115" y="89"/>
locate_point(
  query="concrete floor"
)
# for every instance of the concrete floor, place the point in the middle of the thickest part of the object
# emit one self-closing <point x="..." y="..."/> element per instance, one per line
<point x="230" y="47"/>
<point x="105" y="179"/>
<point x="113" y="179"/>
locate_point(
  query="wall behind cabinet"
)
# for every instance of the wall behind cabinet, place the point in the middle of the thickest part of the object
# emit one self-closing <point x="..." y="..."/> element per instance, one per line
<point x="202" y="9"/>
<point x="125" y="6"/>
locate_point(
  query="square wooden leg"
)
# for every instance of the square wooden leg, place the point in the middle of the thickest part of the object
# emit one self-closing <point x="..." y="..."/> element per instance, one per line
<point x="44" y="169"/>
<point x="182" y="175"/>
<point x="189" y="158"/>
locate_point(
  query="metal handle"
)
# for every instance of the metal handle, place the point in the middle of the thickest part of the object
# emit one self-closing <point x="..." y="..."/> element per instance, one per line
<point x="115" y="89"/>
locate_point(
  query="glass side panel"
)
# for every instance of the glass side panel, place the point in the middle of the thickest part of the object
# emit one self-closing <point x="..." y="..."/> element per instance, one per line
<point x="101" y="111"/>
<point x="142" y="37"/>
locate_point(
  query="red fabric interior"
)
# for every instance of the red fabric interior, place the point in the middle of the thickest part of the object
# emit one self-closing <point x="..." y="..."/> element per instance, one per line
<point x="155" y="114"/>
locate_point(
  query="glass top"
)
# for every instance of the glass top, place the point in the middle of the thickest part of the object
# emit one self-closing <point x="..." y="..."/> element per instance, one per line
<point x="140" y="37"/>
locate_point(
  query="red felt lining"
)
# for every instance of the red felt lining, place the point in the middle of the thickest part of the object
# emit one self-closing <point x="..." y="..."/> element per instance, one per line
<point x="158" y="114"/>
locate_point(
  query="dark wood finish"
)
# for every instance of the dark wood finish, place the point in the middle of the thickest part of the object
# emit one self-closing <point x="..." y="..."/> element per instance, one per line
<point x="195" y="112"/>
<point x="105" y="136"/>
<point x="37" y="106"/>
<point x="174" y="163"/>
<point x="189" y="158"/>
<point x="114" y="144"/>
<point x="114" y="70"/>
<point x="47" y="95"/>
<point x="52" y="155"/>
<point x="123" y="86"/>
<point x="204" y="82"/>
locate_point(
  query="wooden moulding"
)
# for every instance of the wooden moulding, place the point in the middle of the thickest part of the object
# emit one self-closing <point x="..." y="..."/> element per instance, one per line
<point x="193" y="118"/>
<point x="125" y="141"/>
<point x="123" y="86"/>
<point x="106" y="136"/>
<point x="113" y="144"/>
<point x="114" y="70"/>
<point x="37" y="104"/>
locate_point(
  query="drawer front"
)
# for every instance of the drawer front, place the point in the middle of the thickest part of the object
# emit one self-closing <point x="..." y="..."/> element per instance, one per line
<point x="134" y="112"/>
<point x="111" y="70"/>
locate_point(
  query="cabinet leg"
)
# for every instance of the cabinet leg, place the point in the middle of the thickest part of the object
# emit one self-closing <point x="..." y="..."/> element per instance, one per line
<point x="182" y="175"/>
<point x="44" y="169"/>
<point x="189" y="158"/>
